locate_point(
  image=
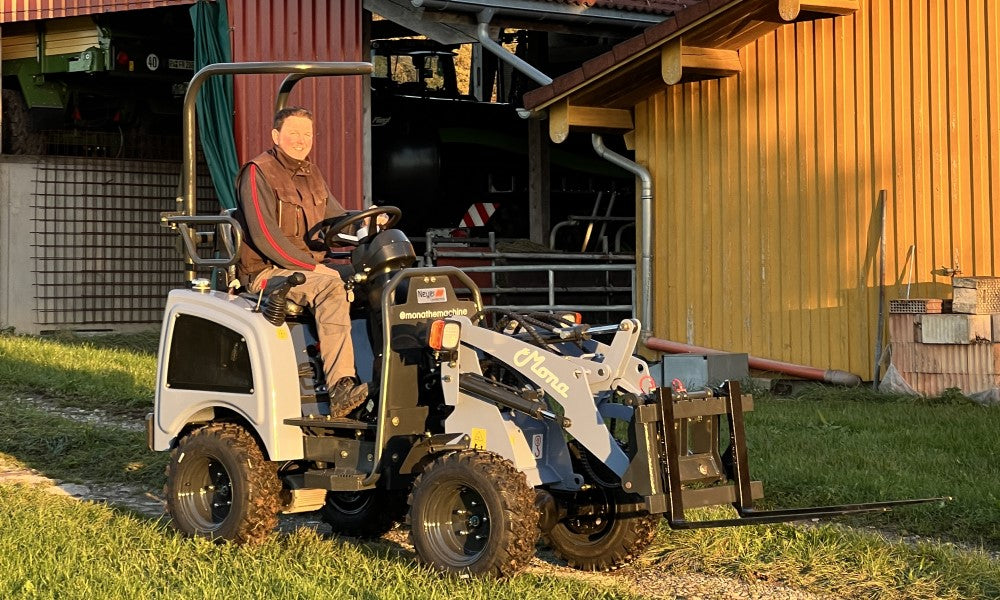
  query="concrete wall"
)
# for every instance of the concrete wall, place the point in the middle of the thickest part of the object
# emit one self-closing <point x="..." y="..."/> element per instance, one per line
<point x="16" y="278"/>
<point x="81" y="247"/>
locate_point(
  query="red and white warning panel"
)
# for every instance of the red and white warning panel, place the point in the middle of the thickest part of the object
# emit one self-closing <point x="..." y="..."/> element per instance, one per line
<point x="478" y="214"/>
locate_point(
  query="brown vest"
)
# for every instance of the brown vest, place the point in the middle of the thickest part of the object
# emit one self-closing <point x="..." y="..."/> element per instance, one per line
<point x="298" y="209"/>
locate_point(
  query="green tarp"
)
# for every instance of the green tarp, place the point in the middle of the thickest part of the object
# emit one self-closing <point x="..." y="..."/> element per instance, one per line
<point x="215" y="100"/>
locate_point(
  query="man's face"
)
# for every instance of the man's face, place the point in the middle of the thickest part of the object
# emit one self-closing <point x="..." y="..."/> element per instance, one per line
<point x="295" y="138"/>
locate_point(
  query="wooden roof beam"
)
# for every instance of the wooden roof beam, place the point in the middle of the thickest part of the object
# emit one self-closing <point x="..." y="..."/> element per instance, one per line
<point x="790" y="10"/>
<point x="564" y="117"/>
<point x="679" y="62"/>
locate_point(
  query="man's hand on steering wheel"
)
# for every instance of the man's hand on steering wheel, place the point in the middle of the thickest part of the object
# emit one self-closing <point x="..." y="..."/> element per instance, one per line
<point x="384" y="216"/>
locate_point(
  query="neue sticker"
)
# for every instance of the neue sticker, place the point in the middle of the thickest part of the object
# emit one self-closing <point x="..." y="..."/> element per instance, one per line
<point x="431" y="295"/>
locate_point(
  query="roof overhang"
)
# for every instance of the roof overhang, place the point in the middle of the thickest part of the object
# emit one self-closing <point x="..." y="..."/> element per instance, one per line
<point x="541" y="12"/>
<point x="698" y="43"/>
<point x="455" y="21"/>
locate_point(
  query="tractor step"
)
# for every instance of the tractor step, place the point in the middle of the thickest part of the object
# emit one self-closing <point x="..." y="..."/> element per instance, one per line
<point x="328" y="422"/>
<point x="336" y="480"/>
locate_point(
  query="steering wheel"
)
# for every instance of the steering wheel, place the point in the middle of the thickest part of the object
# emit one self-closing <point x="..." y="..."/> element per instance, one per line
<point x="332" y="236"/>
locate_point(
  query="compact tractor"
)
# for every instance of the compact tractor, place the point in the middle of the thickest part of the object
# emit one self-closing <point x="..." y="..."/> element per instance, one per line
<point x="485" y="428"/>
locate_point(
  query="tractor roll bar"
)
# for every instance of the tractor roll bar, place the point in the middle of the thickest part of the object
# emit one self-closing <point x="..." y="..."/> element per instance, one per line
<point x="188" y="236"/>
<point x="296" y="71"/>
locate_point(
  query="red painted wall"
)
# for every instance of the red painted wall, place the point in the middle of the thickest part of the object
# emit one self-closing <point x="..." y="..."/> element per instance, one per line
<point x="313" y="30"/>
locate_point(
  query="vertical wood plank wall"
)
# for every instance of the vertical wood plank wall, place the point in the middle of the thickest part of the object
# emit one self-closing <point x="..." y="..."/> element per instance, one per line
<point x="766" y="225"/>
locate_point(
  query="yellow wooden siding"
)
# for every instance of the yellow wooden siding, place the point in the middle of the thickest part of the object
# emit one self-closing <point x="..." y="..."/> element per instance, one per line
<point x="70" y="36"/>
<point x="766" y="183"/>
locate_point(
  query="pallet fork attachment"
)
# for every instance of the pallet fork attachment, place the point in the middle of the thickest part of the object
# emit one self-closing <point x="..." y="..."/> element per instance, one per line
<point x="672" y="427"/>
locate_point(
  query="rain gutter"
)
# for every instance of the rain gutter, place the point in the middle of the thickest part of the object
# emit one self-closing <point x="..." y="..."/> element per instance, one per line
<point x="545" y="11"/>
<point x="483" y="35"/>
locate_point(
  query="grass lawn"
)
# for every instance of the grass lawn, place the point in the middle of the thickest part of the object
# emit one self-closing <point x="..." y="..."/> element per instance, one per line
<point x="814" y="451"/>
<point x="53" y="547"/>
<point x="115" y="373"/>
<point x="824" y="447"/>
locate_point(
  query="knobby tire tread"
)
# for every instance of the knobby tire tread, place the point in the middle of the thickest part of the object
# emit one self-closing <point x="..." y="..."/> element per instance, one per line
<point x="262" y="481"/>
<point x="17" y="135"/>
<point x="616" y="551"/>
<point x="517" y="497"/>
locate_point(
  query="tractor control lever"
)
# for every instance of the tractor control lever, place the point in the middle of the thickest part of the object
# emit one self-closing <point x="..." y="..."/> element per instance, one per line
<point x="274" y="308"/>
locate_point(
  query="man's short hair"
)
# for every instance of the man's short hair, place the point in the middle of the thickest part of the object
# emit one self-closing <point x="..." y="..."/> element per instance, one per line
<point x="291" y="111"/>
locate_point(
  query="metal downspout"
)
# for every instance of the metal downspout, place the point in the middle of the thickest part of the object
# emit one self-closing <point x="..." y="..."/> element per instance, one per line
<point x="483" y="35"/>
<point x="646" y="229"/>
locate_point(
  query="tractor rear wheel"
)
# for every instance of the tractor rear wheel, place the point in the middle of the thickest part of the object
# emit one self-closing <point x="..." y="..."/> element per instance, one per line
<point x="473" y="512"/>
<point x="220" y="487"/>
<point x="18" y="138"/>
<point x="364" y="514"/>
<point x="606" y="537"/>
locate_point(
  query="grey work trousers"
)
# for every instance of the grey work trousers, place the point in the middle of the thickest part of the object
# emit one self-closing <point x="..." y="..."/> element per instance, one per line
<point x="326" y="296"/>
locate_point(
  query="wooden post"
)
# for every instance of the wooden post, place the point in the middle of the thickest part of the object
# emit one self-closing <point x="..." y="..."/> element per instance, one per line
<point x="539" y="187"/>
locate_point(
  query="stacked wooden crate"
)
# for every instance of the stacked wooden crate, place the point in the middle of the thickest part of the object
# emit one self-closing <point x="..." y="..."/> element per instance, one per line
<point x="939" y="344"/>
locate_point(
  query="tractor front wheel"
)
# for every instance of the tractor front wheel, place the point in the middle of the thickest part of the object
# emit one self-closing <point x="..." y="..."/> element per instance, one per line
<point x="220" y="487"/>
<point x="473" y="513"/>
<point x="603" y="537"/>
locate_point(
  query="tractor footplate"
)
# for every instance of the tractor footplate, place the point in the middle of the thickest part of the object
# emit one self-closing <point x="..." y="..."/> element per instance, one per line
<point x="329" y="423"/>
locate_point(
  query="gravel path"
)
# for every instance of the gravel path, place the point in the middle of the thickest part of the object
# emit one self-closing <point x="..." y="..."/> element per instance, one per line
<point x="91" y="416"/>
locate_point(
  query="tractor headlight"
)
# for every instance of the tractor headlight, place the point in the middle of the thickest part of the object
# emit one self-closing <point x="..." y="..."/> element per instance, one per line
<point x="444" y="335"/>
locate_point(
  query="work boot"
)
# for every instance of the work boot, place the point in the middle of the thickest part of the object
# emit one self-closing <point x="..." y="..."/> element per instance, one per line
<point x="346" y="395"/>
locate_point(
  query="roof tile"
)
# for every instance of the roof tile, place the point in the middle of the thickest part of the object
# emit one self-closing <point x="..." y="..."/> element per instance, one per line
<point x="598" y="64"/>
<point x="538" y="96"/>
<point x="692" y="14"/>
<point x="629" y="47"/>
<point x="659" y="31"/>
<point x="568" y="81"/>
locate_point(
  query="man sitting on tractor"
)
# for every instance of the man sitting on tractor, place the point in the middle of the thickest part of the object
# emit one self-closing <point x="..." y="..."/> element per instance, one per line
<point x="283" y="199"/>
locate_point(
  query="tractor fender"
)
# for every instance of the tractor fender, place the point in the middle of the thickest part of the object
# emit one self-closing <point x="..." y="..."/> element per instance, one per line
<point x="202" y="334"/>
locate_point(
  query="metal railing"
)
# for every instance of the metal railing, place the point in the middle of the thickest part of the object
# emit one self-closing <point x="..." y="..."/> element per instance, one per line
<point x="589" y="285"/>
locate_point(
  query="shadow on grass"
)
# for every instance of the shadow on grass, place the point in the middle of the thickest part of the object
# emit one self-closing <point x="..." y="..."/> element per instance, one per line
<point x="78" y="452"/>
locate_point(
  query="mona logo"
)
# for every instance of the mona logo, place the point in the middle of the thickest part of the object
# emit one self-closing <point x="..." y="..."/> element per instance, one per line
<point x="525" y="357"/>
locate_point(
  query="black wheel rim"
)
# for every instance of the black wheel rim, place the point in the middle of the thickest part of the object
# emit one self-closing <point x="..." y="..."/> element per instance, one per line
<point x="206" y="498"/>
<point x="349" y="503"/>
<point x="457" y="524"/>
<point x="592" y="528"/>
